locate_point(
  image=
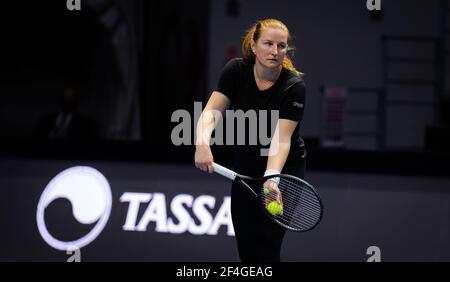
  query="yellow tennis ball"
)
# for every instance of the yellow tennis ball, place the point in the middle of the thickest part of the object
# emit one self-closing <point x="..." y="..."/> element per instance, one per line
<point x="274" y="208"/>
<point x="280" y="208"/>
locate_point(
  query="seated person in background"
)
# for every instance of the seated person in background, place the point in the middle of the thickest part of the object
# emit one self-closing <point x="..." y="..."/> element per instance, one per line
<point x="67" y="123"/>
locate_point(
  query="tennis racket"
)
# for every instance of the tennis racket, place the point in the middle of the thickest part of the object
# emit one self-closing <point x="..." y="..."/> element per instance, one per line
<point x="301" y="206"/>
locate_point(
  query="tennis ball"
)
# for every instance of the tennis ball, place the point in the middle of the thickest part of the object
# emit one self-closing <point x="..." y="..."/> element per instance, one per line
<point x="274" y="208"/>
<point x="266" y="191"/>
<point x="279" y="209"/>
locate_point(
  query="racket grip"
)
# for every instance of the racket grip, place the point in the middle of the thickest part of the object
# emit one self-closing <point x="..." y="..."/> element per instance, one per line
<point x="224" y="171"/>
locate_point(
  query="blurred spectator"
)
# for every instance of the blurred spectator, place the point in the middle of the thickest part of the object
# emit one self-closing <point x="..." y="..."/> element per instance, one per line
<point x="67" y="123"/>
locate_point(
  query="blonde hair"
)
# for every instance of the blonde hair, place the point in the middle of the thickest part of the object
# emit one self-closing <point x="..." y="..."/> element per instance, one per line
<point x="254" y="33"/>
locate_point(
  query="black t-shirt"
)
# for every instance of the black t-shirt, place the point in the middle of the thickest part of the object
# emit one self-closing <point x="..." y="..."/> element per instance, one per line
<point x="286" y="95"/>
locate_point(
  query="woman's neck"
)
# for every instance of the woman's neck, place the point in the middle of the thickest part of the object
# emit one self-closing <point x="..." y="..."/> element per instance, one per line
<point x="266" y="74"/>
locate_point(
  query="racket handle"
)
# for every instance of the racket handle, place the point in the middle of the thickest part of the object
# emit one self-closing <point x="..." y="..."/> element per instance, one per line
<point x="228" y="173"/>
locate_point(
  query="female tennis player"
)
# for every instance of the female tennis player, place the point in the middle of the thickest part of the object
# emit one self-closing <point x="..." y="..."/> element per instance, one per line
<point x="264" y="79"/>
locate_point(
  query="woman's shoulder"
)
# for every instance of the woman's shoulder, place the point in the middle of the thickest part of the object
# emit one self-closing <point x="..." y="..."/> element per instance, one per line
<point x="236" y="63"/>
<point x="236" y="68"/>
<point x="291" y="76"/>
<point x="292" y="81"/>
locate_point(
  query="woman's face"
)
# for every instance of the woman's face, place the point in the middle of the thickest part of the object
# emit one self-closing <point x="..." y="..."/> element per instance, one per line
<point x="271" y="47"/>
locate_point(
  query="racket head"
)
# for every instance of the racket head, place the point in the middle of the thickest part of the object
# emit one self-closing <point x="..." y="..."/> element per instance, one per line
<point x="301" y="205"/>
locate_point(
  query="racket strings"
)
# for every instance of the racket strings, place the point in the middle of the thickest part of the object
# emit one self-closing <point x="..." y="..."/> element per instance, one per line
<point x="305" y="202"/>
<point x="302" y="205"/>
<point x="304" y="217"/>
<point x="306" y="195"/>
<point x="289" y="196"/>
<point x="307" y="198"/>
<point x="308" y="201"/>
<point x="302" y="208"/>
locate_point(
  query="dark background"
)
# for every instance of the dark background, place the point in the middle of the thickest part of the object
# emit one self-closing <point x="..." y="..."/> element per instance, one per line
<point x="406" y="217"/>
<point x="133" y="63"/>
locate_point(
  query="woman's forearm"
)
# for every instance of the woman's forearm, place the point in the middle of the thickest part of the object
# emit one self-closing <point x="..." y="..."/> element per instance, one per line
<point x="280" y="145"/>
<point x="205" y="127"/>
<point x="278" y="155"/>
<point x="210" y="116"/>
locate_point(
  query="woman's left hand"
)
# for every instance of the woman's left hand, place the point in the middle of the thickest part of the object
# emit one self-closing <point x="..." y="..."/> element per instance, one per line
<point x="272" y="193"/>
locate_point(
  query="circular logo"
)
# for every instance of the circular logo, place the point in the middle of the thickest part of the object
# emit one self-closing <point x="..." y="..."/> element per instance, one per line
<point x="88" y="192"/>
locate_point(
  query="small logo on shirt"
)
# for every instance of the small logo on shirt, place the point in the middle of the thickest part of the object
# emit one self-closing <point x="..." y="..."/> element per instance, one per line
<point x="297" y="105"/>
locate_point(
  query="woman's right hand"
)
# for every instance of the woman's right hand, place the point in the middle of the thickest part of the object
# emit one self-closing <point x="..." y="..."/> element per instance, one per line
<point x="204" y="158"/>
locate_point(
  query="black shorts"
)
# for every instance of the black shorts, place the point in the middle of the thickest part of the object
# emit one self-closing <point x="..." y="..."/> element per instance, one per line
<point x="258" y="238"/>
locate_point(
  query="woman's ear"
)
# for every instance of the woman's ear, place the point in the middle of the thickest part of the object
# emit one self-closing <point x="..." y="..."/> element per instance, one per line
<point x="252" y="45"/>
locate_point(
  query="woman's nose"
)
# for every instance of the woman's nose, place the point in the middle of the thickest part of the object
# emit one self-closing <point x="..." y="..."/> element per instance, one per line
<point x="274" y="50"/>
